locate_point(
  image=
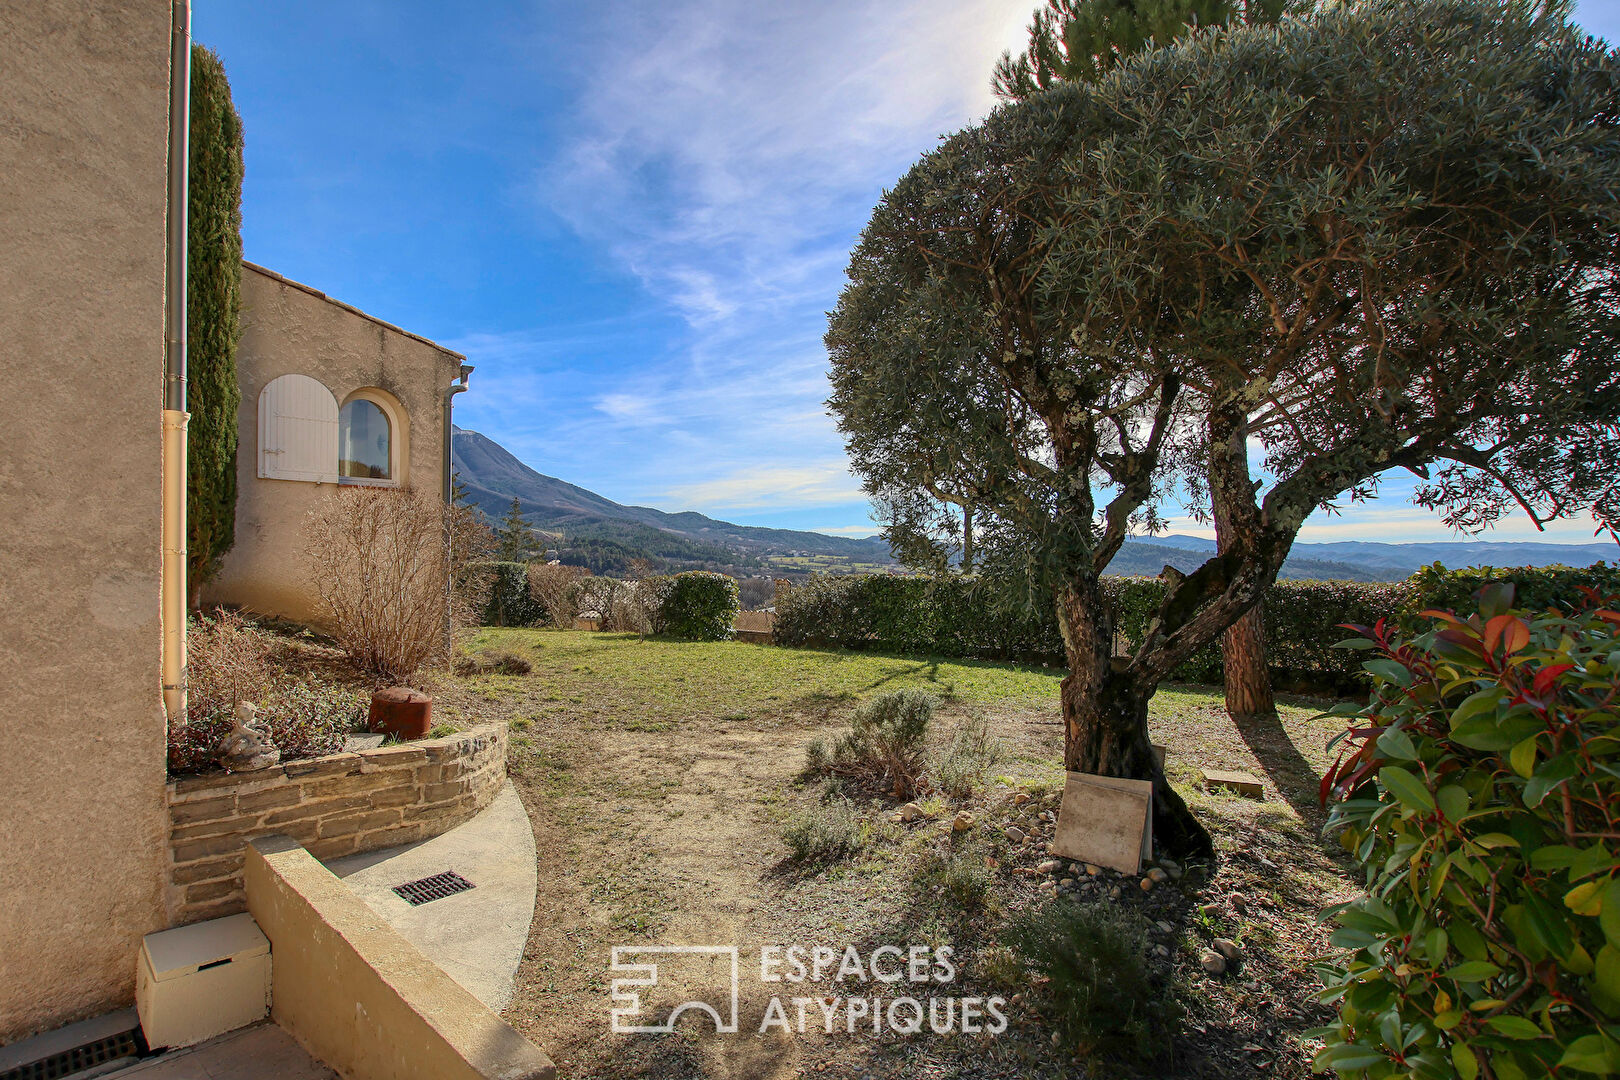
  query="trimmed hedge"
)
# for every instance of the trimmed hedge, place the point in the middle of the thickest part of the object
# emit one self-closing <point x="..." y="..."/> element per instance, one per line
<point x="1536" y="589"/>
<point x="962" y="616"/>
<point x="699" y="606"/>
<point x="694" y="606"/>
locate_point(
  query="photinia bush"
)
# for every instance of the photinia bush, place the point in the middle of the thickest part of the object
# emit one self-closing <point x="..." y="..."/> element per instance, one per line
<point x="1480" y="791"/>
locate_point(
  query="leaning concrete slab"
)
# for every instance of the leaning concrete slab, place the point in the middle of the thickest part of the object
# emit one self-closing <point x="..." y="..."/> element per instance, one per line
<point x="359" y="996"/>
<point x="476" y="936"/>
<point x="1105" y="820"/>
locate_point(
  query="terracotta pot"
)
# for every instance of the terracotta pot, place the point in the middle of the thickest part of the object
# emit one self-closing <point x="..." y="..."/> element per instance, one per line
<point x="401" y="711"/>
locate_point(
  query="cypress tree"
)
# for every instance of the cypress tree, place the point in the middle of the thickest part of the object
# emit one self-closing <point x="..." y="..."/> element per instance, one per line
<point x="213" y="301"/>
<point x="513" y="537"/>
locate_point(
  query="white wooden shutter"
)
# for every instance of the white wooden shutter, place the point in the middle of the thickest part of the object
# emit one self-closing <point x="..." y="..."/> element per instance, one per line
<point x="298" y="430"/>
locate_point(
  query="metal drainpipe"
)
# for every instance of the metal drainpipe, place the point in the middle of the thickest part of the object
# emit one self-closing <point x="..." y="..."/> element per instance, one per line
<point x="174" y="367"/>
<point x="449" y="500"/>
<point x="449" y="395"/>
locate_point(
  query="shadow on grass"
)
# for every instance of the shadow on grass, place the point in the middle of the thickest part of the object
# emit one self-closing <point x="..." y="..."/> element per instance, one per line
<point x="1274" y="748"/>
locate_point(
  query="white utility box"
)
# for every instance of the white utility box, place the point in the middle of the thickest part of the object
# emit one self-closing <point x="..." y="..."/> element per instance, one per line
<point x="202" y="980"/>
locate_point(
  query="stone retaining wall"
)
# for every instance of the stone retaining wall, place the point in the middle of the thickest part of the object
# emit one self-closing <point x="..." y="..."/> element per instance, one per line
<point x="336" y="805"/>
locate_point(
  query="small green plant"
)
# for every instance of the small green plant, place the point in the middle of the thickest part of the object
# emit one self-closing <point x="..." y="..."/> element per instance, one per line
<point x="1479" y="792"/>
<point x="961" y="766"/>
<point x="824" y="833"/>
<point x="1100" y="991"/>
<point x="439" y="731"/>
<point x="817" y="759"/>
<point x="958" y="878"/>
<point x="1001" y="967"/>
<point x="886" y="745"/>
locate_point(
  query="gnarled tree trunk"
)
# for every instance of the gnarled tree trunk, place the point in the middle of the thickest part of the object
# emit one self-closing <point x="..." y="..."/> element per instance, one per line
<point x="1105" y="709"/>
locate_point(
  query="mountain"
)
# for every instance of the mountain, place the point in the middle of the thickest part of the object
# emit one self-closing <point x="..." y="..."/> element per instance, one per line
<point x="608" y="536"/>
<point x="493" y="477"/>
<point x="1390" y="562"/>
<point x="1147" y="559"/>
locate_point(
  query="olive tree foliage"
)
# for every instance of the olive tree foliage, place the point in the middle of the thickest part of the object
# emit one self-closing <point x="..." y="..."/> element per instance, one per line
<point x="1383" y="237"/>
<point x="1082" y="40"/>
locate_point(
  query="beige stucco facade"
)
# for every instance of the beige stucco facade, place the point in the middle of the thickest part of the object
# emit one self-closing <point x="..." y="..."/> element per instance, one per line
<point x="83" y="826"/>
<point x="292" y="329"/>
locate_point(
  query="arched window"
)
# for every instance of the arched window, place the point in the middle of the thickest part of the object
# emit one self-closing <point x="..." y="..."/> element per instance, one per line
<point x="371" y="438"/>
<point x="365" y="442"/>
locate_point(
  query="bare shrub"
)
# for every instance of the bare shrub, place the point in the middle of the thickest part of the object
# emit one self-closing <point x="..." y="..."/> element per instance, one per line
<point x="552" y="586"/>
<point x="624" y="610"/>
<point x="379" y="560"/>
<point x="619" y="606"/>
<point x="228" y="660"/>
<point x="963" y="764"/>
<point x="755" y="593"/>
<point x="493" y="661"/>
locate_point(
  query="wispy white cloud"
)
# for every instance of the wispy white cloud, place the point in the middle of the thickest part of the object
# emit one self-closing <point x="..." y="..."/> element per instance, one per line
<point x="755" y="487"/>
<point x="868" y="529"/>
<point x="725" y="153"/>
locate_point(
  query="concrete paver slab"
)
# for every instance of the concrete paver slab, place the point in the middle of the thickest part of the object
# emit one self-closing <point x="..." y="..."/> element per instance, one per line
<point x="259" y="1052"/>
<point x="476" y="936"/>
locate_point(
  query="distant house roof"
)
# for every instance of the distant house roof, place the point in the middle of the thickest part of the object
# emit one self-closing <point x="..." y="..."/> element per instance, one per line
<point x="256" y="268"/>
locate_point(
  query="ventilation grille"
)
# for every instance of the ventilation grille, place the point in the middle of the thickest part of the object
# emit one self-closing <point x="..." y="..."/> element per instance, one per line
<point x="91" y="1055"/>
<point x="422" y="890"/>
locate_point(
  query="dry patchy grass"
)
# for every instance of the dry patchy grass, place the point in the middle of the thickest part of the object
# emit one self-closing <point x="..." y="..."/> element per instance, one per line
<point x="659" y="775"/>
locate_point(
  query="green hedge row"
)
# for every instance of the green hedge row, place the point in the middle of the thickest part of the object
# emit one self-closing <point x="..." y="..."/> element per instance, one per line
<point x="966" y="616"/>
<point x="692" y="606"/>
<point x="699" y="606"/>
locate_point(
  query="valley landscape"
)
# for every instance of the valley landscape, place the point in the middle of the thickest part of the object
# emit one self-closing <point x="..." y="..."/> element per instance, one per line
<point x="583" y="528"/>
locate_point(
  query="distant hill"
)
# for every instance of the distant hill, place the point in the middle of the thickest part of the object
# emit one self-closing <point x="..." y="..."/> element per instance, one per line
<point x="1136" y="559"/>
<point x="608" y="536"/>
<point x="1391" y="562"/>
<point x="494" y="477"/>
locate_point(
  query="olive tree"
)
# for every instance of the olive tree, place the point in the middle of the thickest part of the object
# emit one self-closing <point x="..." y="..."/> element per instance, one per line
<point x="1381" y="238"/>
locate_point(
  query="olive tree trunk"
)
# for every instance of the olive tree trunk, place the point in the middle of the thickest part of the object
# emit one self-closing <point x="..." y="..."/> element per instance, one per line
<point x="1105" y="710"/>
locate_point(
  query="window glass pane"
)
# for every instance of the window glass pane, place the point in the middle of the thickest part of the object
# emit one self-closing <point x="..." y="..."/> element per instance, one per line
<point x="363" y="441"/>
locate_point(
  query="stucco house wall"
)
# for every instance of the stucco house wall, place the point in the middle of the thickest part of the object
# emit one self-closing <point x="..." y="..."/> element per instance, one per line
<point x="289" y="328"/>
<point x="83" y="825"/>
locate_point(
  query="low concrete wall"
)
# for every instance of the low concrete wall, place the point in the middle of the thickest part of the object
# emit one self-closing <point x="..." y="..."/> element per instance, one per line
<point x="359" y="996"/>
<point x="337" y="805"/>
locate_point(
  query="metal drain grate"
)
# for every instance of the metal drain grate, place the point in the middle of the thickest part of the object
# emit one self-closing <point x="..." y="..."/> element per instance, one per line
<point x="436" y="887"/>
<point x="124" y="1045"/>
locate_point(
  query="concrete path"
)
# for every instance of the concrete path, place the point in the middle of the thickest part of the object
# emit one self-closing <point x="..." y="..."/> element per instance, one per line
<point x="260" y="1052"/>
<point x="477" y="936"/>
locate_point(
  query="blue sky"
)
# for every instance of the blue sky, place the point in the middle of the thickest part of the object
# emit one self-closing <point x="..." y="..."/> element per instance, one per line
<point x="630" y="216"/>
